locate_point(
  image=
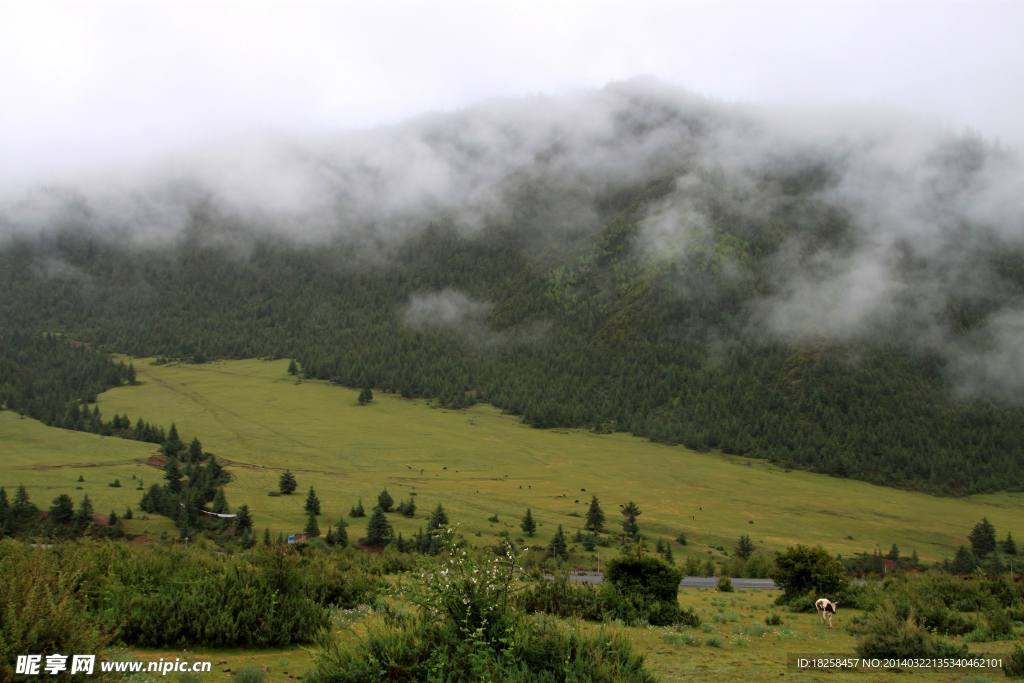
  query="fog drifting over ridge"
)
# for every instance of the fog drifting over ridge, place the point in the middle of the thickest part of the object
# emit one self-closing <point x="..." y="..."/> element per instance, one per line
<point x="928" y="206"/>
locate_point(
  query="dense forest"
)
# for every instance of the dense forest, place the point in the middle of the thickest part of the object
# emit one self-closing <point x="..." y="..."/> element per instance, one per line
<point x="578" y="322"/>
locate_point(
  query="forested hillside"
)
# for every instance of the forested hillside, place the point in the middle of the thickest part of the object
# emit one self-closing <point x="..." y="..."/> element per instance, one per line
<point x="756" y="307"/>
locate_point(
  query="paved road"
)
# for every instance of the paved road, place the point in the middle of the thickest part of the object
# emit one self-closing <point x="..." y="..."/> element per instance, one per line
<point x="690" y="581"/>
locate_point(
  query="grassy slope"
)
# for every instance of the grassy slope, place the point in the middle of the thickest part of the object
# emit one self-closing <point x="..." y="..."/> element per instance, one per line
<point x="48" y="461"/>
<point x="480" y="462"/>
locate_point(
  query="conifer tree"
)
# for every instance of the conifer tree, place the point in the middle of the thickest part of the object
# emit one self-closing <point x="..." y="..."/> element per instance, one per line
<point x="83" y="517"/>
<point x="1009" y="546"/>
<point x="528" y="525"/>
<point x="266" y="537"/>
<point x="62" y="511"/>
<point x="357" y="510"/>
<point x="379" y="531"/>
<point x="894" y="553"/>
<point x="312" y="503"/>
<point x="558" y="549"/>
<point x="287" y="483"/>
<point x="385" y="501"/>
<point x="220" y="502"/>
<point x="195" y="450"/>
<point x="173" y="475"/>
<point x="745" y="547"/>
<point x="243" y="522"/>
<point x="312" y="527"/>
<point x="964" y="562"/>
<point x="438" y="519"/>
<point x="365" y="396"/>
<point x="595" y="516"/>
<point x="983" y="538"/>
<point x="5" y="509"/>
<point x="631" y="511"/>
<point x="293" y="369"/>
<point x="341" y="534"/>
<point x="112" y="519"/>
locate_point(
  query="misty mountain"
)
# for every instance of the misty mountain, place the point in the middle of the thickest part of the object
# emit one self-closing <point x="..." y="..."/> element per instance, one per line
<point x="841" y="292"/>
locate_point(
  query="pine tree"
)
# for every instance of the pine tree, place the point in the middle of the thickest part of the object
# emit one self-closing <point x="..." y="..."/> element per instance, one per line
<point x="914" y="561"/>
<point x="195" y="451"/>
<point x="312" y="503"/>
<point x="173" y="475"/>
<point x="357" y="510"/>
<point x="983" y="538"/>
<point x="595" y="516"/>
<point x="557" y="549"/>
<point x="365" y="396"/>
<point x="894" y="553"/>
<point x="5" y="509"/>
<point x="83" y="517"/>
<point x="112" y="520"/>
<point x="1009" y="547"/>
<point x="266" y="537"/>
<point x="528" y="525"/>
<point x="964" y="562"/>
<point x="172" y="445"/>
<point x="293" y="369"/>
<point x="745" y="547"/>
<point x="379" y="531"/>
<point x="243" y="522"/>
<point x="438" y="519"/>
<point x="631" y="511"/>
<point x="385" y="501"/>
<point x="341" y="534"/>
<point x="666" y="553"/>
<point x="408" y="508"/>
<point x="220" y="502"/>
<point x="287" y="483"/>
<point x="312" y="527"/>
<point x="128" y="513"/>
<point x="62" y="511"/>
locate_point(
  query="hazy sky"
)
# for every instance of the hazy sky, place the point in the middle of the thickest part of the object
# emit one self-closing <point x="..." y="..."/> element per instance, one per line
<point x="85" y="83"/>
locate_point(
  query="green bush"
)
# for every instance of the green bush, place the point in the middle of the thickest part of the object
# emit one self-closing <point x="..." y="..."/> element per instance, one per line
<point x="889" y="633"/>
<point x="724" y="584"/>
<point x="467" y="629"/>
<point x="249" y="675"/>
<point x="41" y="609"/>
<point x="773" y="620"/>
<point x="802" y="570"/>
<point x="1013" y="666"/>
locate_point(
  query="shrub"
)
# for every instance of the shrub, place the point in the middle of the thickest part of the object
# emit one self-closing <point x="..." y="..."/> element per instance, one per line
<point x="773" y="620"/>
<point x="40" y="608"/>
<point x="466" y="629"/>
<point x="888" y="633"/>
<point x="1013" y="666"/>
<point x="801" y="570"/>
<point x="724" y="584"/>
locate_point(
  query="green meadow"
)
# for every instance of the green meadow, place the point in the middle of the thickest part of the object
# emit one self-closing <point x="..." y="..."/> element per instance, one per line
<point x="259" y="420"/>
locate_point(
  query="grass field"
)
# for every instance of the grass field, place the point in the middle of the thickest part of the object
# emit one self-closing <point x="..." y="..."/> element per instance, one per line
<point x="49" y="461"/>
<point x="733" y="643"/>
<point x="480" y="462"/>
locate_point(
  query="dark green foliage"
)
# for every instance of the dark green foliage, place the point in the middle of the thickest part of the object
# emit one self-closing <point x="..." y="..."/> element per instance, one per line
<point x="595" y="516"/>
<point x="293" y="369"/>
<point x="773" y="619"/>
<point x="438" y="519"/>
<point x="312" y="527"/>
<point x="1013" y="666"/>
<point x="983" y="538"/>
<point x="681" y="538"/>
<point x="379" y="531"/>
<point x="1009" y="546"/>
<point x="172" y="473"/>
<point x="357" y="510"/>
<point x="557" y="549"/>
<point x="801" y="570"/>
<point x="62" y="512"/>
<point x="724" y="584"/>
<point x="287" y="483"/>
<point x="384" y="501"/>
<point x="243" y="522"/>
<point x="467" y="629"/>
<point x="964" y="561"/>
<point x="627" y="346"/>
<point x="312" y="506"/>
<point x="891" y="633"/>
<point x="220" y="502"/>
<point x="84" y="515"/>
<point x="745" y="547"/>
<point x="195" y="451"/>
<point x="339" y="536"/>
<point x="407" y="508"/>
<point x="528" y="526"/>
<point x="365" y="396"/>
<point x="629" y="526"/>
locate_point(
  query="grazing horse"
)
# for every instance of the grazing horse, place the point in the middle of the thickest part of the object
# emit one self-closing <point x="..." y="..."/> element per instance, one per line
<point x="826" y="608"/>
